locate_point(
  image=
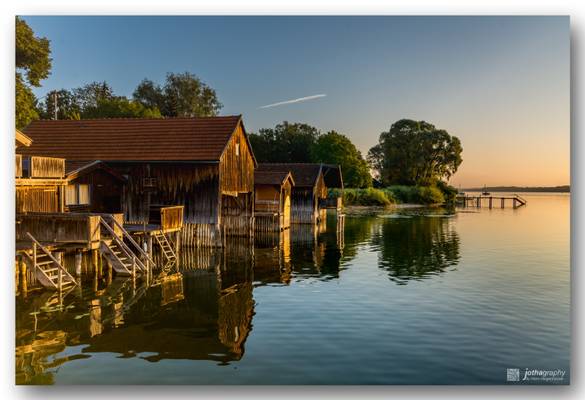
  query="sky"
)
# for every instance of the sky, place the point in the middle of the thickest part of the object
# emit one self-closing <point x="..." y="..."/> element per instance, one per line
<point x="500" y="84"/>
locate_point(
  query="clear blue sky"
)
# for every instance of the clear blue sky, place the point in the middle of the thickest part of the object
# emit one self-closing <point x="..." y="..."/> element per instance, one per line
<point x="501" y="84"/>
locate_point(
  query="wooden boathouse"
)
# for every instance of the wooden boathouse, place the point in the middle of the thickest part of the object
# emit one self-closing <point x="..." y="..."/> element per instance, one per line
<point x="272" y="203"/>
<point x="140" y="166"/>
<point x="309" y="194"/>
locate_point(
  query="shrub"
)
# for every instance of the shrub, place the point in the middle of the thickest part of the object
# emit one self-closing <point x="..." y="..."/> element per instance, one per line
<point x="416" y="194"/>
<point x="363" y="197"/>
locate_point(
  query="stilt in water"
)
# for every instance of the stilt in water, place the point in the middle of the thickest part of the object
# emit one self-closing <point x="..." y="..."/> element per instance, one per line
<point x="78" y="260"/>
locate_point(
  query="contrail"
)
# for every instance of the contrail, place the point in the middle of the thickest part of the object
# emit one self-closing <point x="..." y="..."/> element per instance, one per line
<point x="300" y="99"/>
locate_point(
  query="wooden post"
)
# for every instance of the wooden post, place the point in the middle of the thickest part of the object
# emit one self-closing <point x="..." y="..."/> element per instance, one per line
<point x="478" y="202"/>
<point x="78" y="259"/>
<point x="95" y="261"/>
<point x="502" y="202"/>
<point x="60" y="281"/>
<point x="490" y="202"/>
<point x="23" y="282"/>
<point x="110" y="271"/>
<point x="133" y="265"/>
<point x="34" y="257"/>
<point x="150" y="246"/>
<point x="514" y="203"/>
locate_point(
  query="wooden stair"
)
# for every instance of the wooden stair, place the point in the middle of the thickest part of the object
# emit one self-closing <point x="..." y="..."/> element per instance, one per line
<point x="47" y="269"/>
<point x="124" y="260"/>
<point x="167" y="249"/>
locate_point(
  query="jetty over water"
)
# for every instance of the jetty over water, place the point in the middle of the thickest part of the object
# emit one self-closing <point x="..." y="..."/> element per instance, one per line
<point x="491" y="201"/>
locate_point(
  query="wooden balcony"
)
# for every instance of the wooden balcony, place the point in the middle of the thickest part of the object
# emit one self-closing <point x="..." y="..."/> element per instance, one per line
<point x="37" y="167"/>
<point x="46" y="167"/>
<point x="60" y="228"/>
<point x="163" y="219"/>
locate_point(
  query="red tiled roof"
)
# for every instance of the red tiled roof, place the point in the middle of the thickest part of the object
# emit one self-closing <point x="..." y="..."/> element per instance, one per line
<point x="132" y="139"/>
<point x="304" y="175"/>
<point x="271" y="177"/>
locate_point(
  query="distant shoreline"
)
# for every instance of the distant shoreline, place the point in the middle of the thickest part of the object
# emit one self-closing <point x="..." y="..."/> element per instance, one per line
<point x="527" y="189"/>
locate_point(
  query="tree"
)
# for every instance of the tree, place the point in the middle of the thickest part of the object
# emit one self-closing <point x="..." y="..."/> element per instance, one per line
<point x="183" y="95"/>
<point x="33" y="63"/>
<point x="91" y="94"/>
<point x="119" y="107"/>
<point x="335" y="148"/>
<point x="415" y="153"/>
<point x="67" y="105"/>
<point x="287" y="143"/>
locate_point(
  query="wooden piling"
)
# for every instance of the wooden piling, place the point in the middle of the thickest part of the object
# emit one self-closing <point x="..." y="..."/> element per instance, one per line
<point x="78" y="260"/>
<point x="490" y="202"/>
<point x="23" y="281"/>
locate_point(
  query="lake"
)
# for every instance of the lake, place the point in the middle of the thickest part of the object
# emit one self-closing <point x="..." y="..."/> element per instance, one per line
<point x="403" y="296"/>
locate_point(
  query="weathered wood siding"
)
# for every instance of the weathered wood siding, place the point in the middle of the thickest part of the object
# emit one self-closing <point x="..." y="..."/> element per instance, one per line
<point x="194" y="186"/>
<point x="236" y="172"/>
<point x="37" y="199"/>
<point x="305" y="202"/>
<point x="267" y="199"/>
<point x="58" y="228"/>
<point x="237" y="166"/>
<point x="18" y="166"/>
<point x="271" y="213"/>
<point x="46" y="167"/>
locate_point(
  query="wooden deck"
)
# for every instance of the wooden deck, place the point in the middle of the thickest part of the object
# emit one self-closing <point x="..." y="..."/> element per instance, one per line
<point x="492" y="201"/>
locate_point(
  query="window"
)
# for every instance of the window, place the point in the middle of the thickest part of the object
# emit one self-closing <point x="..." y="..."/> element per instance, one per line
<point x="237" y="149"/>
<point x="76" y="194"/>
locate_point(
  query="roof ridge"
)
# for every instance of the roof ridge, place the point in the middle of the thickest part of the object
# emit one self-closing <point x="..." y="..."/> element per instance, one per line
<point x="138" y="118"/>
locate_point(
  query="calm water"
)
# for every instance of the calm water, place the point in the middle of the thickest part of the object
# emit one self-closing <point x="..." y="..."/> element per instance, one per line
<point x="413" y="296"/>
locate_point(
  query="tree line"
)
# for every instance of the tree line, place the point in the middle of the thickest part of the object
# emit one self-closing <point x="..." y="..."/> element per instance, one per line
<point x="409" y="153"/>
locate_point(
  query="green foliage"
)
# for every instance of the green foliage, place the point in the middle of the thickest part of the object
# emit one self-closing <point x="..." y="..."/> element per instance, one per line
<point x="449" y="192"/>
<point x="33" y="63"/>
<point x="32" y="54"/>
<point x="90" y="95"/>
<point x="67" y="105"/>
<point x="415" y="153"/>
<point x="94" y="100"/>
<point x="25" y="104"/>
<point x="302" y="143"/>
<point x="120" y="107"/>
<point x="415" y="194"/>
<point x="182" y="95"/>
<point x="363" y="197"/>
<point x="335" y="148"/>
<point x="287" y="143"/>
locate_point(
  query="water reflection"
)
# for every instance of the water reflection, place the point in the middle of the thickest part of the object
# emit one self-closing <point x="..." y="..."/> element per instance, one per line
<point x="205" y="310"/>
<point x="416" y="245"/>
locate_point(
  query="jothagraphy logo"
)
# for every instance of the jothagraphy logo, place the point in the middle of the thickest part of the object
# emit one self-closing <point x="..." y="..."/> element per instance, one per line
<point x="513" y="375"/>
<point x="535" y="375"/>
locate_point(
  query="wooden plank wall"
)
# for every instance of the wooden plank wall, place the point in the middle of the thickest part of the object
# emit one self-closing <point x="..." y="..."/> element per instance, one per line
<point x="47" y="167"/>
<point x="37" y="199"/>
<point x="58" y="228"/>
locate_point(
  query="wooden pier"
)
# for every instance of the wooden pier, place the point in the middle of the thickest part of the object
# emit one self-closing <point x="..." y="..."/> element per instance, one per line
<point x="492" y="201"/>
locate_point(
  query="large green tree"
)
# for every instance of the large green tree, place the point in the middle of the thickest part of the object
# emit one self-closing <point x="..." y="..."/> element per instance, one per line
<point x="33" y="64"/>
<point x="335" y="148"/>
<point x="286" y="142"/>
<point x="415" y="153"/>
<point x="182" y="95"/>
